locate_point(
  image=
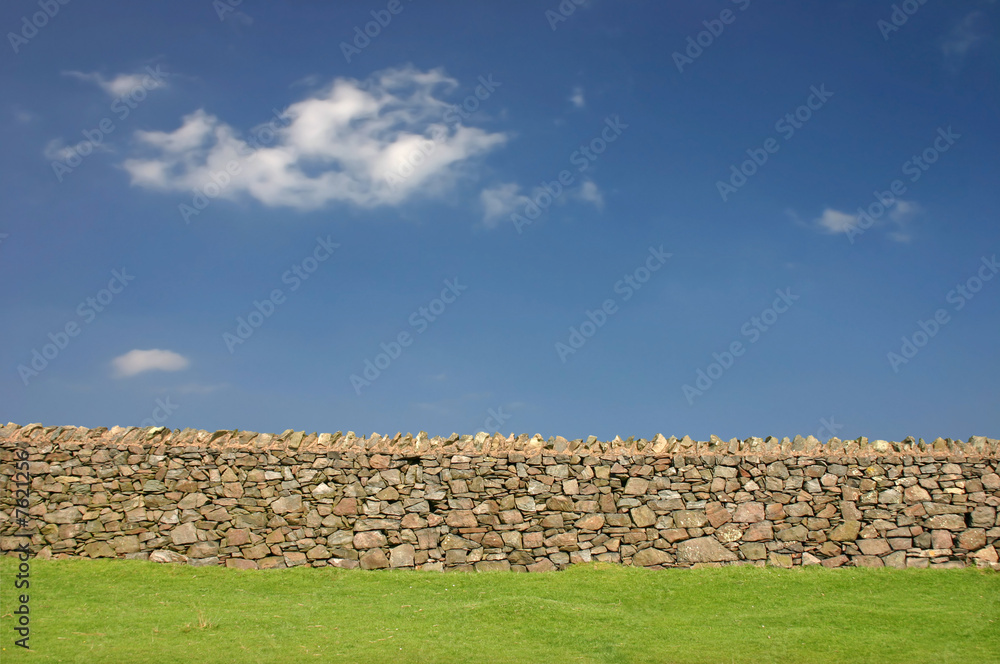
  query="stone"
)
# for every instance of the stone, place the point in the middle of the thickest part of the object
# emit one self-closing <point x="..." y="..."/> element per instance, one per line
<point x="590" y="522"/>
<point x="845" y="532"/>
<point x="369" y="539"/>
<point x="167" y="556"/>
<point x="775" y="559"/>
<point x="402" y="556"/>
<point x="643" y="517"/>
<point x="649" y="557"/>
<point x="793" y="534"/>
<point x="718" y="515"/>
<point x="703" y="550"/>
<point x="346" y="507"/>
<point x="753" y="551"/>
<point x="759" y="532"/>
<point x="689" y="519"/>
<point x="492" y="566"/>
<point x="67" y="515"/>
<point x="972" y="539"/>
<point x="287" y="505"/>
<point x="729" y="533"/>
<point x="749" y="513"/>
<point x="374" y="559"/>
<point x="945" y="522"/>
<point x="636" y="486"/>
<point x="185" y="533"/>
<point x="543" y="565"/>
<point x="874" y="547"/>
<point x="461" y="519"/>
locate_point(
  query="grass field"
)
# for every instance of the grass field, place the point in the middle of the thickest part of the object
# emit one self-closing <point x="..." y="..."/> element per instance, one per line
<point x="117" y="611"/>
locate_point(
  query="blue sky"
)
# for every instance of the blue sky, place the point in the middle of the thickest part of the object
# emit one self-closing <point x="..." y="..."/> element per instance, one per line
<point x="699" y="218"/>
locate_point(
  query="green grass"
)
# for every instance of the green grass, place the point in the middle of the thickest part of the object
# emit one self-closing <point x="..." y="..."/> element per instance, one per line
<point x="119" y="611"/>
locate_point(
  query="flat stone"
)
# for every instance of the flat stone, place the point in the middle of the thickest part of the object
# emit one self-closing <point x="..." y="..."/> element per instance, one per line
<point x="643" y="517"/>
<point x="287" y="505"/>
<point x="167" y="556"/>
<point x="636" y="486"/>
<point x="689" y="519"/>
<point x="703" y="550"/>
<point x="749" y="513"/>
<point x="186" y="533"/>
<point x="845" y="532"/>
<point x="369" y="539"/>
<point x="874" y="547"/>
<point x="402" y="556"/>
<point x="649" y="557"/>
<point x="493" y="566"/>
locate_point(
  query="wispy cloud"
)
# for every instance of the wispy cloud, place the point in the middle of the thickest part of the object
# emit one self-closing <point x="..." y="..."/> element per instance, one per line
<point x="338" y="145"/>
<point x="500" y="201"/>
<point x="900" y="214"/>
<point x="577" y="97"/>
<point x="965" y="35"/>
<point x="120" y="84"/>
<point x="139" y="361"/>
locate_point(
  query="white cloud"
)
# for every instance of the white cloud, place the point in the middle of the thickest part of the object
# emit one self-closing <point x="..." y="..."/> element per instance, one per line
<point x="339" y="145"/>
<point x="591" y="194"/>
<point x="500" y="201"/>
<point x="121" y="84"/>
<point x="577" y="97"/>
<point x="834" y="221"/>
<point x="901" y="213"/>
<point x="137" y="361"/>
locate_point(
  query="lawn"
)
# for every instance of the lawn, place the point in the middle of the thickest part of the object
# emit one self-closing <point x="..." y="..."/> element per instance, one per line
<point x="117" y="611"/>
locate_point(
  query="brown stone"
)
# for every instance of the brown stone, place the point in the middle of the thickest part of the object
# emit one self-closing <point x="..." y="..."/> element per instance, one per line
<point x="374" y="559"/>
<point x="749" y="513"/>
<point x="703" y="550"/>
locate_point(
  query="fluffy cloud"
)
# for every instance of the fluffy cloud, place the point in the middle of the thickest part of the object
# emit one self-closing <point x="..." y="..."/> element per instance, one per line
<point x="137" y="361"/>
<point x="377" y="142"/>
<point x="834" y="221"/>
<point x="591" y="194"/>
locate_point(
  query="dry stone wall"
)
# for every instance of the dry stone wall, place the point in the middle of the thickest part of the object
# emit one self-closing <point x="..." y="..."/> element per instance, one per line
<point x="258" y="501"/>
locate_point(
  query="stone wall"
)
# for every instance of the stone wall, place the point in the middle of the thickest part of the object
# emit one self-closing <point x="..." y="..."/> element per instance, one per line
<point x="251" y="500"/>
